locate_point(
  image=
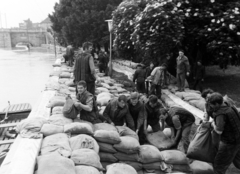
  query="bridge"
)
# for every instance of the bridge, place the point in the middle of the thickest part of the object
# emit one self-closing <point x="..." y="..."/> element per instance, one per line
<point x="9" y="38"/>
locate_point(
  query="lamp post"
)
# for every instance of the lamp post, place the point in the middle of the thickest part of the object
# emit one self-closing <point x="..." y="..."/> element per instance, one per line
<point x="110" y="28"/>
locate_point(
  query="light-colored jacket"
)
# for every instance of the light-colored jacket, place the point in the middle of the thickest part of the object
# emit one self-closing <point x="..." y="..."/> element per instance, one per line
<point x="157" y="75"/>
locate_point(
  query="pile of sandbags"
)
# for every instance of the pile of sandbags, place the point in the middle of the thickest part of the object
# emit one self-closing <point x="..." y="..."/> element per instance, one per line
<point x="120" y="168"/>
<point x="199" y="167"/>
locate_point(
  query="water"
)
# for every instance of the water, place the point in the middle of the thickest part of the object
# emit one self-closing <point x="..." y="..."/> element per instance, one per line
<point x="23" y="76"/>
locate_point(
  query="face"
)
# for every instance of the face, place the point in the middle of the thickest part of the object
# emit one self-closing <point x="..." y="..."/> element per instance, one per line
<point x="207" y="97"/>
<point x="80" y="89"/>
<point x="134" y="101"/>
<point x="215" y="107"/>
<point x="163" y="116"/>
<point x="180" y="53"/>
<point x="102" y="49"/>
<point x="151" y="65"/>
<point x="90" y="48"/>
<point x="152" y="104"/>
<point x="121" y="104"/>
<point x="198" y="63"/>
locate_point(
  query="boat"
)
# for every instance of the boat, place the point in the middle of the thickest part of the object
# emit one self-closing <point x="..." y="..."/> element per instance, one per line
<point x="9" y="118"/>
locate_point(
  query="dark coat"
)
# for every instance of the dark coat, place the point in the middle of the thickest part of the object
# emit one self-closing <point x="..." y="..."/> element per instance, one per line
<point x="139" y="75"/>
<point x="183" y="65"/>
<point x="199" y="73"/>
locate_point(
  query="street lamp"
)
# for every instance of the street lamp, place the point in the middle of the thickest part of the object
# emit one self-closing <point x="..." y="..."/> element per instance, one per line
<point x="110" y="28"/>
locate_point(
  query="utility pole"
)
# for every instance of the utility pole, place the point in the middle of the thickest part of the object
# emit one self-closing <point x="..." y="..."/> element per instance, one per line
<point x="54" y="44"/>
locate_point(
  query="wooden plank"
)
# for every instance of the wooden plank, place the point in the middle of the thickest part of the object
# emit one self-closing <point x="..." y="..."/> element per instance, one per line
<point x="195" y="111"/>
<point x="7" y="141"/>
<point x="21" y="158"/>
<point x="8" y="125"/>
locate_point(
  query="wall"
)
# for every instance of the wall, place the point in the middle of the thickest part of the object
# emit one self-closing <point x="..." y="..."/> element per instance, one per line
<point x="5" y="40"/>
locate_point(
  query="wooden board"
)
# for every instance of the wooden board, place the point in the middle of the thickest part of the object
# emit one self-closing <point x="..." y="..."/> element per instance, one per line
<point x="195" y="111"/>
<point x="17" y="108"/>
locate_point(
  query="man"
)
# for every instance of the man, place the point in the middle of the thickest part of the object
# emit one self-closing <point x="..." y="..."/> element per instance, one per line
<point x="149" y="69"/>
<point x="166" y="64"/>
<point x="199" y="75"/>
<point x="84" y="67"/>
<point x="86" y="104"/>
<point x="227" y="125"/>
<point x="117" y="113"/>
<point x="183" y="69"/>
<point x="69" y="55"/>
<point x="152" y="114"/>
<point x="103" y="60"/>
<point x="180" y="121"/>
<point x="157" y="76"/>
<point x="139" y="76"/>
<point x="136" y="109"/>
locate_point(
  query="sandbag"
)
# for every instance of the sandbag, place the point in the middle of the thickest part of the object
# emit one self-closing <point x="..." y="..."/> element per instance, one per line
<point x="55" y="164"/>
<point x="105" y="164"/>
<point x="83" y="142"/>
<point x="167" y="132"/>
<point x="182" y="168"/>
<point x="121" y="90"/>
<point x="200" y="167"/>
<point x="174" y="157"/>
<point x="34" y="124"/>
<point x="50" y="129"/>
<point x="59" y="119"/>
<point x="202" y="144"/>
<point x="55" y="73"/>
<point x="56" y="143"/>
<point x="228" y="100"/>
<point x="105" y="85"/>
<point x="104" y="126"/>
<point x="70" y="83"/>
<point x="86" y="170"/>
<point x="154" y="166"/>
<point x="136" y="165"/>
<point x="192" y="91"/>
<point x="188" y="98"/>
<point x="120" y="168"/>
<point x="69" y="109"/>
<point x="57" y="110"/>
<point x="113" y="91"/>
<point x="63" y="80"/>
<point x="72" y="89"/>
<point x="65" y="75"/>
<point x="102" y="110"/>
<point x="86" y="157"/>
<point x="102" y="89"/>
<point x="189" y="94"/>
<point x="179" y="94"/>
<point x="107" y="157"/>
<point x="126" y="157"/>
<point x="118" y="85"/>
<point x="52" y="85"/>
<point x="108" y="148"/>
<point x="56" y="101"/>
<point x="149" y="154"/>
<point x="128" y="145"/>
<point x="103" y="100"/>
<point x="77" y="120"/>
<point x="111" y="137"/>
<point x="125" y="131"/>
<point x="78" y="128"/>
<point x="159" y="140"/>
<point x="64" y="91"/>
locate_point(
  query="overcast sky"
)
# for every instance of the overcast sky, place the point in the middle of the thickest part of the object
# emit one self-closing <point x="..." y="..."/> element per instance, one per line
<point x="18" y="10"/>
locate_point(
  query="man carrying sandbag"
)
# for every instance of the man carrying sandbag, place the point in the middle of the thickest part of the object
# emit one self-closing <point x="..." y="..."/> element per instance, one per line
<point x="117" y="113"/>
<point x="86" y="104"/>
<point x="180" y="121"/>
<point x="227" y="125"/>
<point x="136" y="109"/>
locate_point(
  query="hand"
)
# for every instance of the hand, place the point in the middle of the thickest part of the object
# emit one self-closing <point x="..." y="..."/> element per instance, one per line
<point x="137" y="131"/>
<point x="188" y="73"/>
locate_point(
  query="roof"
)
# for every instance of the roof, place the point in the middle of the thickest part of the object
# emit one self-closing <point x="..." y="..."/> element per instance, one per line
<point x="47" y="20"/>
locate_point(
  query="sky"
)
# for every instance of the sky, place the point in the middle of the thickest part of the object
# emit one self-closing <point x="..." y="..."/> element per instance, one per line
<point x="13" y="12"/>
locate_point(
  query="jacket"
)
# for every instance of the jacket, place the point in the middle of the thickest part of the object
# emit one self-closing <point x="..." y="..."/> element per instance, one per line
<point x="139" y="75"/>
<point x="158" y="76"/>
<point x="152" y="114"/>
<point x="199" y="73"/>
<point x="182" y="65"/>
<point x="84" y="68"/>
<point x="114" y="114"/>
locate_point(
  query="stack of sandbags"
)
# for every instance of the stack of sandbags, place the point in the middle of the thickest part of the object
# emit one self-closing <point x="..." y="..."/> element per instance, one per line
<point x="177" y="160"/>
<point x="120" y="168"/>
<point x="106" y="136"/>
<point x="128" y="151"/>
<point x="199" y="167"/>
<point x="150" y="157"/>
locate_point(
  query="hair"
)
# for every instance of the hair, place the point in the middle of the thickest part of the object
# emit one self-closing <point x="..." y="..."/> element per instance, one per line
<point x="153" y="99"/>
<point x="86" y="45"/>
<point x="180" y="50"/>
<point x="82" y="83"/>
<point x="215" y="98"/>
<point x="206" y="92"/>
<point x="163" y="111"/>
<point x="122" y="98"/>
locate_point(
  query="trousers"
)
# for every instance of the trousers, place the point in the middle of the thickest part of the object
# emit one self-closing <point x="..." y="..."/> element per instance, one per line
<point x="181" y="81"/>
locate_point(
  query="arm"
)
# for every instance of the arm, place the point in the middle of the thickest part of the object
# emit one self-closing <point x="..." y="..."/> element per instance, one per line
<point x="141" y="118"/>
<point x="88" y="107"/>
<point x="130" y="121"/>
<point x="107" y="112"/>
<point x="187" y="65"/>
<point x="218" y="126"/>
<point x="178" y="127"/>
<point x="92" y="67"/>
<point x="135" y="75"/>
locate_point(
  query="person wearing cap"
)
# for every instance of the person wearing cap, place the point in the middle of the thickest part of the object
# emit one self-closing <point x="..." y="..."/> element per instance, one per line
<point x="199" y="76"/>
<point x="180" y="121"/>
<point x="149" y="70"/>
<point x="117" y="113"/>
<point x="139" y="76"/>
<point x="152" y="114"/>
<point x="136" y="109"/>
<point x="183" y="69"/>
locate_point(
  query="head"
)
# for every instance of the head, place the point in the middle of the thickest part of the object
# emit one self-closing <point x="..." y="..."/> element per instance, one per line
<point x="181" y="53"/>
<point x="102" y="49"/>
<point x="164" y="65"/>
<point x="199" y="63"/>
<point x="122" y="99"/>
<point x="206" y="93"/>
<point x="153" y="100"/>
<point x="151" y="65"/>
<point x="164" y="114"/>
<point x="81" y="86"/>
<point x="215" y="100"/>
<point x="87" y="47"/>
<point x="134" y="98"/>
<point x="139" y="66"/>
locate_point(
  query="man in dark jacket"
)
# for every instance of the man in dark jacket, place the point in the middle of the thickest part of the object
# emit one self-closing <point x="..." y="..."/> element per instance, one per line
<point x="139" y="76"/>
<point x="199" y="76"/>
<point x="183" y="69"/>
<point x="84" y="68"/>
<point x="227" y="125"/>
<point x="103" y="61"/>
<point x="148" y="73"/>
<point x="86" y="104"/>
<point x="69" y="55"/>
<point x="136" y="109"/>
<point x="117" y="113"/>
<point x="180" y="121"/>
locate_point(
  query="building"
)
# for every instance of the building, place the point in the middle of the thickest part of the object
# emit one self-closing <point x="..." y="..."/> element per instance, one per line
<point x="46" y="23"/>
